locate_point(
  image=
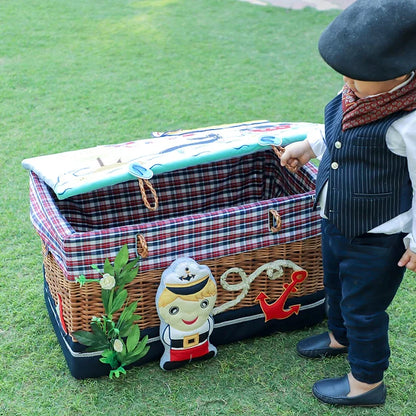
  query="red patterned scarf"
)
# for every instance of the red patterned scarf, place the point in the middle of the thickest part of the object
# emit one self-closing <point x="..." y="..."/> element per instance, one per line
<point x="360" y="111"/>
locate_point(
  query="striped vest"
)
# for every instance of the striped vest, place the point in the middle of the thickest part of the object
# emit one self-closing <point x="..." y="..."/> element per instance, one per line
<point x="367" y="183"/>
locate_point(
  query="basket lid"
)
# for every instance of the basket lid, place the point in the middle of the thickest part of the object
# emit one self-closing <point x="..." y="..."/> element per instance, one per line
<point x="80" y="171"/>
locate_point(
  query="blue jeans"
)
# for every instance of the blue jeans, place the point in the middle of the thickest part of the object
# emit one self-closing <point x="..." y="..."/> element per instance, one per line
<point x="361" y="278"/>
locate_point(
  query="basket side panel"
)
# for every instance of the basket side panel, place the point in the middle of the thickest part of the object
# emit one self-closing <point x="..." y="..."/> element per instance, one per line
<point x="80" y="304"/>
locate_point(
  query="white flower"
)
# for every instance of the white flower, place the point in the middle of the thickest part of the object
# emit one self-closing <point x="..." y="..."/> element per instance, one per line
<point x="107" y="282"/>
<point x="118" y="345"/>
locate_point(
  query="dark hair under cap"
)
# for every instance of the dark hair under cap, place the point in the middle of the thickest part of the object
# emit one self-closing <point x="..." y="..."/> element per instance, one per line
<point x="372" y="40"/>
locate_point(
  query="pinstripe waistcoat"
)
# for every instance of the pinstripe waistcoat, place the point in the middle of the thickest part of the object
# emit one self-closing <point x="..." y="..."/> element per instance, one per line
<point x="367" y="183"/>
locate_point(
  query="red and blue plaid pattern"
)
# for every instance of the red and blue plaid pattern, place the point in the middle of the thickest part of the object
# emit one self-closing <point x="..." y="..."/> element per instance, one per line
<point x="207" y="211"/>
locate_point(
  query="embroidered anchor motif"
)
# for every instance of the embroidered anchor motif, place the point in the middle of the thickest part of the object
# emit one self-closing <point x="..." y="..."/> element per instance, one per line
<point x="276" y="310"/>
<point x="189" y="276"/>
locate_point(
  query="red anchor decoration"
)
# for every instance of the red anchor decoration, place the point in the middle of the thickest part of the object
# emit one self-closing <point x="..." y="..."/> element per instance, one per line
<point x="276" y="309"/>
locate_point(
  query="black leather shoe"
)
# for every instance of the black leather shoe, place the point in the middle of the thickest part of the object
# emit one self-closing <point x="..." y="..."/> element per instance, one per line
<point x="335" y="391"/>
<point x="317" y="346"/>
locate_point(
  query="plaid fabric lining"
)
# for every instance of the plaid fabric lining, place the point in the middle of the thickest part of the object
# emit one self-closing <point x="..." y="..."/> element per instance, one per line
<point x="197" y="189"/>
<point x="205" y="212"/>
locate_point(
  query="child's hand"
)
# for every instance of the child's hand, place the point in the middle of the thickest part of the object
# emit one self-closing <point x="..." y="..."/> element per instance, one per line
<point x="296" y="155"/>
<point x="409" y="260"/>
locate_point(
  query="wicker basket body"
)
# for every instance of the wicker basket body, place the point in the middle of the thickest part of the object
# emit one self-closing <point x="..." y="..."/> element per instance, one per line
<point x="239" y="213"/>
<point x="81" y="303"/>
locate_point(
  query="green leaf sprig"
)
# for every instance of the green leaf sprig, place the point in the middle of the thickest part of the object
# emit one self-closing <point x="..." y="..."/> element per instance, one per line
<point x="119" y="340"/>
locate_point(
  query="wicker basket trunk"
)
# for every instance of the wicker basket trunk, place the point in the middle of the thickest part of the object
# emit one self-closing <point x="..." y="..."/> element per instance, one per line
<point x="244" y="213"/>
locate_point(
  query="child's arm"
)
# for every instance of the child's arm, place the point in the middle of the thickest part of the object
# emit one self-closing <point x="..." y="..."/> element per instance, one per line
<point x="296" y="155"/>
<point x="402" y="141"/>
<point x="408" y="260"/>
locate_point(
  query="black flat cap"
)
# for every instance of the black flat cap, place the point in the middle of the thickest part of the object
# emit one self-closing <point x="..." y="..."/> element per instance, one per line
<point x="372" y="40"/>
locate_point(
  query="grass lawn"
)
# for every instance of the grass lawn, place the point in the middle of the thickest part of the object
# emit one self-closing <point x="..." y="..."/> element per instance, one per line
<point x="76" y="74"/>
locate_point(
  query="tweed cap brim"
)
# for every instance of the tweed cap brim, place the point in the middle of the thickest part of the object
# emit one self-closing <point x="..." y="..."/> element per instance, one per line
<point x="372" y="40"/>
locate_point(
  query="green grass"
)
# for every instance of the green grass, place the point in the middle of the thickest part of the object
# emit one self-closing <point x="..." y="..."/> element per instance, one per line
<point x="83" y="73"/>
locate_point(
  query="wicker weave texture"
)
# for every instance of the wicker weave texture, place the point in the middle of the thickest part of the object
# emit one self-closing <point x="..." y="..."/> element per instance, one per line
<point x="80" y="304"/>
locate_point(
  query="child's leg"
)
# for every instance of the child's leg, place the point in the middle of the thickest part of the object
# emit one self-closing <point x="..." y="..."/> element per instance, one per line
<point x="332" y="283"/>
<point x="368" y="278"/>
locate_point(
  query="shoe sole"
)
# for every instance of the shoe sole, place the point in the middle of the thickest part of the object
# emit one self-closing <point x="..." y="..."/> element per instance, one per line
<point x="323" y="354"/>
<point x="349" y="404"/>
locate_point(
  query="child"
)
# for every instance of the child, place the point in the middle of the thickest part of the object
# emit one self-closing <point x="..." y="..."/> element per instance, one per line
<point x="366" y="188"/>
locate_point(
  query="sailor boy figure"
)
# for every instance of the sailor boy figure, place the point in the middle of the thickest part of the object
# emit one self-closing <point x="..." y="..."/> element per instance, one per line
<point x="185" y="299"/>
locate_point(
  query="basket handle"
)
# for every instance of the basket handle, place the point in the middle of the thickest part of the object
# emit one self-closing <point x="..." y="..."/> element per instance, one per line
<point x="142" y="183"/>
<point x="275" y="221"/>
<point x="141" y="246"/>
<point x="278" y="150"/>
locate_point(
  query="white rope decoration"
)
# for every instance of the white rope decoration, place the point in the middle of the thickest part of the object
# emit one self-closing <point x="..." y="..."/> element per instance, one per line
<point x="274" y="270"/>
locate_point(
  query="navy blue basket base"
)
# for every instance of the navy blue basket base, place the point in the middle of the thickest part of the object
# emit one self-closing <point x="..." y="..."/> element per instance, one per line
<point x="229" y="327"/>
